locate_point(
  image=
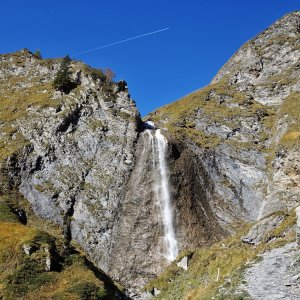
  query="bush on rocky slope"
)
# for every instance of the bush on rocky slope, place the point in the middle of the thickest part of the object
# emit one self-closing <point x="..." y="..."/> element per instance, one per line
<point x="63" y="81"/>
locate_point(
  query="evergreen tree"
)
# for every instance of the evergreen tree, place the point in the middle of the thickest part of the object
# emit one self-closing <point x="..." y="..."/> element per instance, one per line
<point x="63" y="81"/>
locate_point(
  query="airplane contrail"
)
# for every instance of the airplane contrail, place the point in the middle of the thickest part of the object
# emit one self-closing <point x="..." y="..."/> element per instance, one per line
<point x="120" y="42"/>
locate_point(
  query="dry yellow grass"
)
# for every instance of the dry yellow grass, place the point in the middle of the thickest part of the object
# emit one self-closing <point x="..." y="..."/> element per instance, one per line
<point x="12" y="237"/>
<point x="65" y="284"/>
<point x="70" y="276"/>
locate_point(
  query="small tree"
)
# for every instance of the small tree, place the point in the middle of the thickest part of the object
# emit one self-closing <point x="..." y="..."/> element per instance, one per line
<point x="63" y="81"/>
<point x="109" y="74"/>
<point x="38" y="54"/>
<point x="98" y="74"/>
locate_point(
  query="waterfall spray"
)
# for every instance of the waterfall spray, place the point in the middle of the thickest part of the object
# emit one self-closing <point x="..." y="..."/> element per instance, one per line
<point x="159" y="146"/>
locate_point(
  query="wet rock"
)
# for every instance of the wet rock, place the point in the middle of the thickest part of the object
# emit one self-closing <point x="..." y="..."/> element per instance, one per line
<point x="140" y="227"/>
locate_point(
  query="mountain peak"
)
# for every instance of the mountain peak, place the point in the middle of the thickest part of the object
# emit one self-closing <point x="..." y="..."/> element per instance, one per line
<point x="274" y="52"/>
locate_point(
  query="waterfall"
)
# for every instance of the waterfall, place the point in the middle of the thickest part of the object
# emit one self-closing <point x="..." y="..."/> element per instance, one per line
<point x="159" y="147"/>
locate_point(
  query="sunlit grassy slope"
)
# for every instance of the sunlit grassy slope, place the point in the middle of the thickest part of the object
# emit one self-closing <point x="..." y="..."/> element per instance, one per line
<point x="215" y="272"/>
<point x="218" y="104"/>
<point x="24" y="276"/>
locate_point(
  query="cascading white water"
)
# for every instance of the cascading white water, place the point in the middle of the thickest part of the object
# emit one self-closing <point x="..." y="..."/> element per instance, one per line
<point x="159" y="147"/>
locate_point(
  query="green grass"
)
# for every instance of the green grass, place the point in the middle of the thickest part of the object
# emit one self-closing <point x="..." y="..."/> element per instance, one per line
<point x="291" y="109"/>
<point x="6" y="213"/>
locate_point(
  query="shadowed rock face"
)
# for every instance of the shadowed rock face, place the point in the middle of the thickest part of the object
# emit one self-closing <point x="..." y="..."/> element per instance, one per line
<point x="192" y="191"/>
<point x="139" y="229"/>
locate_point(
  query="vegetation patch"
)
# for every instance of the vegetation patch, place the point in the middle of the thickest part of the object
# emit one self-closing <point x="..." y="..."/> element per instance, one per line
<point x="6" y="213"/>
<point x="28" y="277"/>
<point x="218" y="104"/>
<point x="291" y="110"/>
<point x="87" y="291"/>
<point x="214" y="271"/>
<point x="63" y="81"/>
<point x="97" y="74"/>
<point x="23" y="274"/>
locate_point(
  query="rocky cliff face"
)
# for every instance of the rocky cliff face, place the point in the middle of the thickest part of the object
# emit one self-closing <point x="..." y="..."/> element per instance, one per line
<point x="84" y="161"/>
<point x="140" y="229"/>
<point x="244" y="126"/>
<point x="69" y="155"/>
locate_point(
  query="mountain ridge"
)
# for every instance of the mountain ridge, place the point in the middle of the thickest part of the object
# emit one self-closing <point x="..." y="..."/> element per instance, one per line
<point x="79" y="158"/>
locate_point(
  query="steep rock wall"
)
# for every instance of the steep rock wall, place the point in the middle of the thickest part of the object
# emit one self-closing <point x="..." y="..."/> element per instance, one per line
<point x="138" y="239"/>
<point x="74" y="152"/>
<point x="244" y="126"/>
<point x="81" y="162"/>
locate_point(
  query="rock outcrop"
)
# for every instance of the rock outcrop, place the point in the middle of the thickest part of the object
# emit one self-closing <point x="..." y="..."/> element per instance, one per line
<point x="298" y="225"/>
<point x="69" y="155"/>
<point x="276" y="276"/>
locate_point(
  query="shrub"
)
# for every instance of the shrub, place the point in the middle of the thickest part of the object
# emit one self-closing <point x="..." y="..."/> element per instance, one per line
<point x="37" y="54"/>
<point x="29" y="276"/>
<point x="87" y="291"/>
<point x="110" y="75"/>
<point x="63" y="81"/>
<point x="98" y="74"/>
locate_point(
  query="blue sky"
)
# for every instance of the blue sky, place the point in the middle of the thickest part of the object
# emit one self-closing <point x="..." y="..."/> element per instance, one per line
<point x="159" y="68"/>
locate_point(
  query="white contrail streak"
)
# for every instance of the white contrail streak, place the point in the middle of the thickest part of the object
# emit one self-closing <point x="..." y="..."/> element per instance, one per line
<point x="120" y="42"/>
